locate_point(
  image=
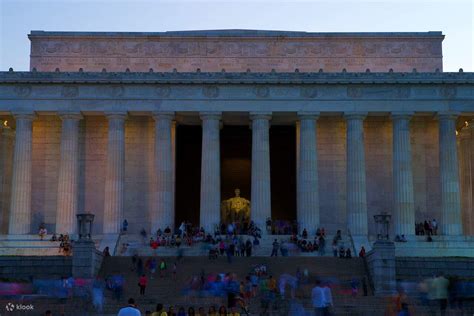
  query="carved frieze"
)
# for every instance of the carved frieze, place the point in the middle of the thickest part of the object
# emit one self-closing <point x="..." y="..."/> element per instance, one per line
<point x="210" y="91"/>
<point x="22" y="90"/>
<point x="261" y="91"/>
<point x="163" y="91"/>
<point x="70" y="91"/>
<point x="112" y="91"/>
<point x="308" y="92"/>
<point x="448" y="91"/>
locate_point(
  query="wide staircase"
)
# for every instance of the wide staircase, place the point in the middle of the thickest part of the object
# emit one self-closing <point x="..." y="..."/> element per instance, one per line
<point x="171" y="291"/>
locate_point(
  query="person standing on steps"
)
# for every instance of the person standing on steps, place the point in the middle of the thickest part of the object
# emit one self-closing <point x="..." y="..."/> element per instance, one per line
<point x="142" y="283"/>
<point x="275" y="247"/>
<point x="162" y="268"/>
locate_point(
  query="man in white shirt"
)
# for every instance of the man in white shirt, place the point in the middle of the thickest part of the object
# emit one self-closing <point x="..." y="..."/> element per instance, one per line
<point x="321" y="298"/>
<point x="130" y="310"/>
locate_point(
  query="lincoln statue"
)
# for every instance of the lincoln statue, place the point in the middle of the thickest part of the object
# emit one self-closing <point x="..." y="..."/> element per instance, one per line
<point x="236" y="209"/>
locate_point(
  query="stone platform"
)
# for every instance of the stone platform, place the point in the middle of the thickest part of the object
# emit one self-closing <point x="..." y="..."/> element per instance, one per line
<point x="32" y="245"/>
<point x="441" y="246"/>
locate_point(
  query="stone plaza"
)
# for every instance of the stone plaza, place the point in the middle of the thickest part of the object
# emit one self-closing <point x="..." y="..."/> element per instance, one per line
<point x="372" y="124"/>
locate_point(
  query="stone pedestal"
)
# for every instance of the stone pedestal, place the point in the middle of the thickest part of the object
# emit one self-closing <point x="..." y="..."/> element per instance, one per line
<point x="68" y="180"/>
<point x="20" y="207"/>
<point x="210" y="171"/>
<point x="115" y="173"/>
<point x="381" y="263"/>
<point x="450" y="223"/>
<point x="86" y="260"/>
<point x="307" y="178"/>
<point x="355" y="178"/>
<point x="403" y="197"/>
<point x="163" y="212"/>
<point x="260" y="208"/>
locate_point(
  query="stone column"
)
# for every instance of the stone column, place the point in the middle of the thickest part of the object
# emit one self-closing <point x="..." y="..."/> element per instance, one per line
<point x="20" y="207"/>
<point x="307" y="179"/>
<point x="7" y="142"/>
<point x="260" y="203"/>
<point x="450" y="223"/>
<point x="403" y="196"/>
<point x="115" y="173"/>
<point x="163" y="212"/>
<point x="210" y="171"/>
<point x="356" y="187"/>
<point x="465" y="173"/>
<point x="67" y="198"/>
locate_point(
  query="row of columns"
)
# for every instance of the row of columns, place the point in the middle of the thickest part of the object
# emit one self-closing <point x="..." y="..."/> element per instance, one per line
<point x="307" y="174"/>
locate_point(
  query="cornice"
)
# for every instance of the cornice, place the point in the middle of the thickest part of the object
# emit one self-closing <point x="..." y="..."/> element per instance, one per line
<point x="365" y="78"/>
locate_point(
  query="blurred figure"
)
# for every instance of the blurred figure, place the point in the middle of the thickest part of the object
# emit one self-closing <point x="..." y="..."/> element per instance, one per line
<point x="160" y="311"/>
<point x="98" y="294"/>
<point x="321" y="299"/>
<point x="439" y="288"/>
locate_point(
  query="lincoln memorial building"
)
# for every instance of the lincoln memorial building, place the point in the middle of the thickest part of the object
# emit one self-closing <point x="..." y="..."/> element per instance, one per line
<point x="323" y="129"/>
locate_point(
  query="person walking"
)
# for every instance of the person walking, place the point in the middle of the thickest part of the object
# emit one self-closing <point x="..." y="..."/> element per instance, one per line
<point x="321" y="299"/>
<point x="275" y="248"/>
<point x="142" y="283"/>
<point x="162" y="268"/>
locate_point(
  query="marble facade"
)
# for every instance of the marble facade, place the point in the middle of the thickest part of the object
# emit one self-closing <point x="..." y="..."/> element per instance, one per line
<point x="368" y="141"/>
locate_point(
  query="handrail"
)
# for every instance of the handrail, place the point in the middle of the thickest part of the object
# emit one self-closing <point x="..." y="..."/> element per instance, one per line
<point x="364" y="260"/>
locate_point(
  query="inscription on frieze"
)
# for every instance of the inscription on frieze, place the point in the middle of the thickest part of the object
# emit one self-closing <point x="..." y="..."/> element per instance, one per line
<point x="235" y="53"/>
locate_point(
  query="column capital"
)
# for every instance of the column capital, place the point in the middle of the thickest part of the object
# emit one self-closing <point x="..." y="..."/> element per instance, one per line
<point x="210" y="115"/>
<point x="401" y="115"/>
<point x="447" y="115"/>
<point x="355" y="115"/>
<point x="303" y="115"/>
<point x="24" y="115"/>
<point x="163" y="115"/>
<point x="116" y="115"/>
<point x="70" y="116"/>
<point x="260" y="115"/>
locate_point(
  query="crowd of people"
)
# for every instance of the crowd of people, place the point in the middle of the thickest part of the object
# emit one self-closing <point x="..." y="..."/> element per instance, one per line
<point x="426" y="228"/>
<point x="258" y="285"/>
<point x="65" y="243"/>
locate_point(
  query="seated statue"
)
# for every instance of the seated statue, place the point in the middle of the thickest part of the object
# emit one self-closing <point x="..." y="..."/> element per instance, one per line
<point x="236" y="209"/>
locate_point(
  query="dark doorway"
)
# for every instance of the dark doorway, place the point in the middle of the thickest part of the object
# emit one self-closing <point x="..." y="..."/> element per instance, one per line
<point x="188" y="173"/>
<point x="283" y="172"/>
<point x="236" y="157"/>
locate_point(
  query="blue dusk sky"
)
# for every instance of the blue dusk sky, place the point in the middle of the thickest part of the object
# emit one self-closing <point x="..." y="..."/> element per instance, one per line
<point x="453" y="17"/>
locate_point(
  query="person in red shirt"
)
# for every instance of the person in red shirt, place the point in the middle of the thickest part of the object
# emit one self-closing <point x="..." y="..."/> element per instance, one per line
<point x="142" y="283"/>
<point x="362" y="252"/>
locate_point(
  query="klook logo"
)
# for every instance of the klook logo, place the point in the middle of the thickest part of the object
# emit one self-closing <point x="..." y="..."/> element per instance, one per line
<point x="10" y="307"/>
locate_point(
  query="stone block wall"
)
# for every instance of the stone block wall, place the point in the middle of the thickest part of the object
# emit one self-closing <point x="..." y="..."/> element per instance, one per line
<point x="22" y="267"/>
<point x="418" y="268"/>
<point x="378" y="167"/>
<point x="425" y="164"/>
<point x="45" y="168"/>
<point x="331" y="140"/>
<point x="139" y="171"/>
